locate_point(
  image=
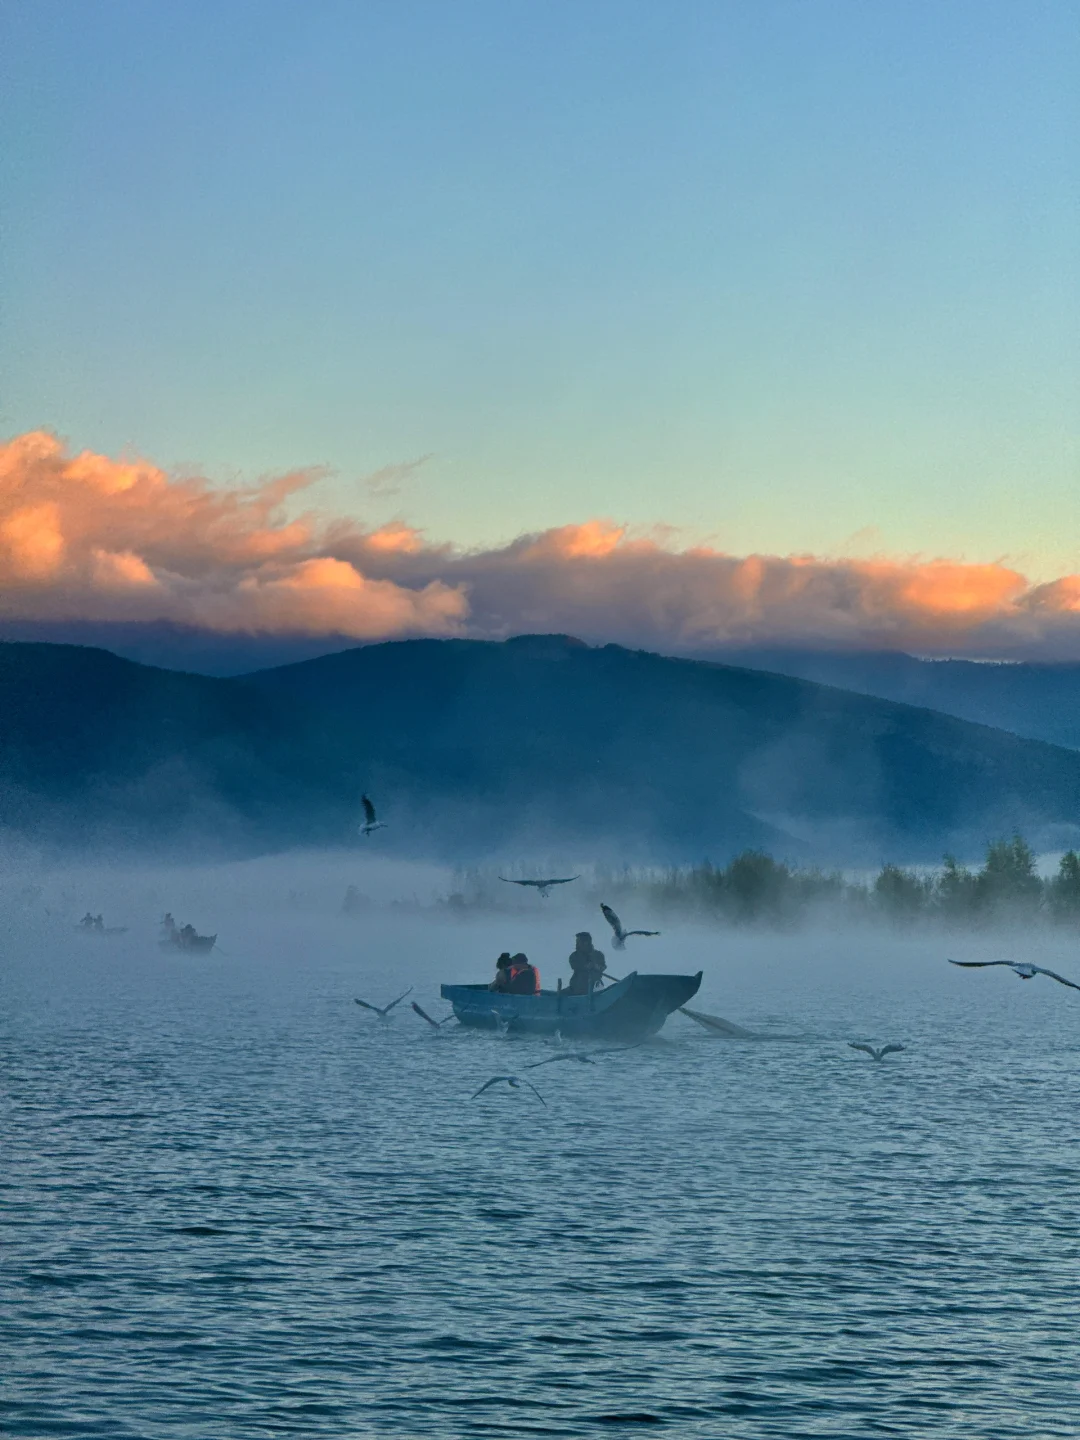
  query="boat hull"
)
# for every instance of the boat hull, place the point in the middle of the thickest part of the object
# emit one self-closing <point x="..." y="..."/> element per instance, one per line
<point x="200" y="945"/>
<point x="631" y="1009"/>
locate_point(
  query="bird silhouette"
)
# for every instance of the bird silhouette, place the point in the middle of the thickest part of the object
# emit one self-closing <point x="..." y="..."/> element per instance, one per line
<point x="384" y="1010"/>
<point x="513" y="1081"/>
<point x="877" y="1054"/>
<point x="621" y="935"/>
<point x="371" y="820"/>
<point x="435" y="1024"/>
<point x="1021" y="968"/>
<point x="554" y="1060"/>
<point x="544" y="886"/>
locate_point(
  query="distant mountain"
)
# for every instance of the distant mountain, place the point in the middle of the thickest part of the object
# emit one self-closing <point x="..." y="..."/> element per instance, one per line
<point x="1041" y="701"/>
<point x="95" y="749"/>
<point x="177" y="647"/>
<point x="540" y="745"/>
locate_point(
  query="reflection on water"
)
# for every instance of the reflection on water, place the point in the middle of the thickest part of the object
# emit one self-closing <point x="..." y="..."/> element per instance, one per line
<point x="234" y="1204"/>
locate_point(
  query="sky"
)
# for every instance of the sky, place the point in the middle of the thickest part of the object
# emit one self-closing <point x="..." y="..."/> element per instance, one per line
<point x="786" y="279"/>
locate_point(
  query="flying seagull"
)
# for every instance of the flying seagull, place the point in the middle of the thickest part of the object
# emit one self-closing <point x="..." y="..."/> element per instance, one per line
<point x="554" y="1060"/>
<point x="435" y="1024"/>
<point x="371" y="820"/>
<point x="877" y="1054"/>
<point x="384" y="1010"/>
<point x="621" y="935"/>
<point x="513" y="1082"/>
<point x="1023" y="969"/>
<point x="544" y="886"/>
<point x="583" y="1058"/>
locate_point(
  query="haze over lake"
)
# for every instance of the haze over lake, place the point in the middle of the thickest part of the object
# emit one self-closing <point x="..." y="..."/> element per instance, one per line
<point x="237" y="1204"/>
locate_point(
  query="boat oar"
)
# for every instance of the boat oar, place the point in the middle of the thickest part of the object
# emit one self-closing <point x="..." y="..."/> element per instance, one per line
<point x="714" y="1023"/>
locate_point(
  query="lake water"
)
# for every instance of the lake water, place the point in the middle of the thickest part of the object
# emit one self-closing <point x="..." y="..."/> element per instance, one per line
<point x="236" y="1205"/>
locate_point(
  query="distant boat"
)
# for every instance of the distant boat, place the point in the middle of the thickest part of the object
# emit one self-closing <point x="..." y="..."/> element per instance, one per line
<point x="187" y="939"/>
<point x="631" y="1009"/>
<point x="191" y="944"/>
<point x="102" y="931"/>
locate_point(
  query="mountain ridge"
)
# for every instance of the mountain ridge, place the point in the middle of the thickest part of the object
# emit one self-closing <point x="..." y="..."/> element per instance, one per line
<point x="473" y="747"/>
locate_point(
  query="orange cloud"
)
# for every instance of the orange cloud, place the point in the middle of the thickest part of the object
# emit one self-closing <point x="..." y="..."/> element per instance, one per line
<point x="91" y="538"/>
<point x="86" y="537"/>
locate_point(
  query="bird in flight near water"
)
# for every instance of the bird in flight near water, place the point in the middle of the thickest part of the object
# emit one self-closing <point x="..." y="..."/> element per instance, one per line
<point x="1021" y="968"/>
<point x="877" y="1054"/>
<point x="544" y="886"/>
<point x="621" y="935"/>
<point x="371" y="820"/>
<point x="515" y="1084"/>
<point x="435" y="1024"/>
<point x="384" y="1010"/>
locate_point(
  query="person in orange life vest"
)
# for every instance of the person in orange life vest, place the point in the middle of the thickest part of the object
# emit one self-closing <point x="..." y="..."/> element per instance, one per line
<point x="524" y="978"/>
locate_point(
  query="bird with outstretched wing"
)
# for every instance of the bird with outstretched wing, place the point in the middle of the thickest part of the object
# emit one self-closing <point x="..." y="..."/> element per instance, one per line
<point x="435" y="1024"/>
<point x="621" y="935"/>
<point x="371" y="820"/>
<point x="1022" y="968"/>
<point x="544" y="886"/>
<point x="384" y="1010"/>
<point x="877" y="1054"/>
<point x="555" y="1059"/>
<point x="514" y="1082"/>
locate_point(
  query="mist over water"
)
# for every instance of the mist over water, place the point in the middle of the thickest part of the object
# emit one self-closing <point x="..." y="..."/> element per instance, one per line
<point x="235" y="1204"/>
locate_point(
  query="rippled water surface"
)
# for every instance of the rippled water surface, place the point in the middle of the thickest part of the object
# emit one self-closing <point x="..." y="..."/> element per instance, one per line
<point x="235" y="1204"/>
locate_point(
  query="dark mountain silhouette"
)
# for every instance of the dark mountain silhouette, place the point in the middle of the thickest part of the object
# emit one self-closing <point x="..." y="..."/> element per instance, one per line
<point x="1039" y="700"/>
<point x="471" y="748"/>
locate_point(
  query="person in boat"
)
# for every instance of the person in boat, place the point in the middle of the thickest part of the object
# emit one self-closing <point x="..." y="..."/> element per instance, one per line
<point x="524" y="978"/>
<point x="501" y="983"/>
<point x="188" y="935"/>
<point x="168" y="924"/>
<point x="87" y="922"/>
<point x="587" y="966"/>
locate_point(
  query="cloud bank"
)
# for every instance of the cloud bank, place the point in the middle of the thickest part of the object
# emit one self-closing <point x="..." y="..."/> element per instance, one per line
<point x="84" y="537"/>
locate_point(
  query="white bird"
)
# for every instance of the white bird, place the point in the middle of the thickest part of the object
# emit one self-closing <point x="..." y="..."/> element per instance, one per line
<point x="501" y="1025"/>
<point x="1021" y="968"/>
<point x="515" y="1084"/>
<point x="544" y="886"/>
<point x="435" y="1024"/>
<point x="877" y="1054"/>
<point x="371" y="820"/>
<point x="621" y="935"/>
<point x="384" y="1010"/>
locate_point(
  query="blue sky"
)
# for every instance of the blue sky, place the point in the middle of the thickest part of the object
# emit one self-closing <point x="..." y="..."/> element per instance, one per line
<point x="789" y="276"/>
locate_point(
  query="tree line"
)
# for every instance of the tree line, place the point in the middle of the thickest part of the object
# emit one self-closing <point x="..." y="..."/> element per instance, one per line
<point x="756" y="889"/>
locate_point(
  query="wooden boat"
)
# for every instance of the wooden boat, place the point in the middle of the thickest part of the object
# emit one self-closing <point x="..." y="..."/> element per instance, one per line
<point x="102" y="931"/>
<point x="190" y="944"/>
<point x="630" y="1009"/>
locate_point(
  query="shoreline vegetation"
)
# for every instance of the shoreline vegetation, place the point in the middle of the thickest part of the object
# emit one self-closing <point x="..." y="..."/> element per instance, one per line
<point x="755" y="889"/>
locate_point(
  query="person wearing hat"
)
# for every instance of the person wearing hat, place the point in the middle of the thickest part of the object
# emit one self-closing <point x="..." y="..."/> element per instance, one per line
<point x="587" y="965"/>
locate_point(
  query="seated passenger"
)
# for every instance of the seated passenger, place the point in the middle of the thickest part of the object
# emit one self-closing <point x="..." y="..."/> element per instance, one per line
<point x="502" y="973"/>
<point x="587" y="965"/>
<point x="524" y="977"/>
